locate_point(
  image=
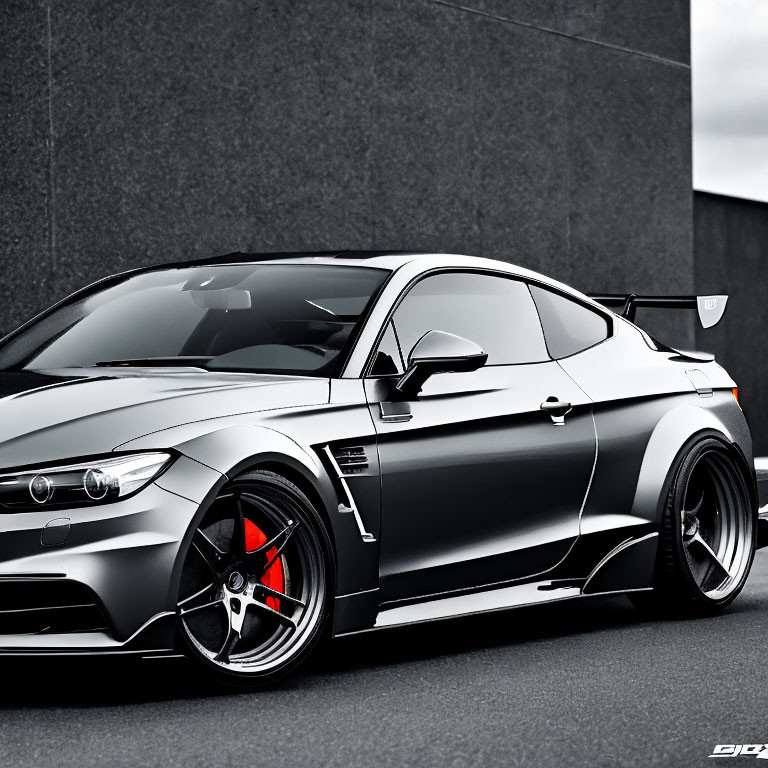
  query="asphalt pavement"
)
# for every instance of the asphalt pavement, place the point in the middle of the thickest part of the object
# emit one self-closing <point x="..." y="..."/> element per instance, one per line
<point x="590" y="682"/>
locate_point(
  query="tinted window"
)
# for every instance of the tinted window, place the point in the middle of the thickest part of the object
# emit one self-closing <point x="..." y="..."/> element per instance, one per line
<point x="569" y="327"/>
<point x="494" y="312"/>
<point x="388" y="360"/>
<point x="256" y="317"/>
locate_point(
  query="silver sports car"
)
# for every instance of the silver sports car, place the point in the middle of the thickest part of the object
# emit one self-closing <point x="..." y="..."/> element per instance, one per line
<point x="237" y="456"/>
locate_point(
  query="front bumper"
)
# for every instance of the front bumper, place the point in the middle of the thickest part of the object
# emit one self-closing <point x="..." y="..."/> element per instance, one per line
<point x="124" y="554"/>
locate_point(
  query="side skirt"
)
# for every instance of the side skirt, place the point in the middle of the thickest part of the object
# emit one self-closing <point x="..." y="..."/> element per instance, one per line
<point x="628" y="567"/>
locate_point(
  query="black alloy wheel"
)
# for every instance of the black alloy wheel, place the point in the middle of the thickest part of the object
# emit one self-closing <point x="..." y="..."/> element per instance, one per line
<point x="708" y="534"/>
<point x="256" y="584"/>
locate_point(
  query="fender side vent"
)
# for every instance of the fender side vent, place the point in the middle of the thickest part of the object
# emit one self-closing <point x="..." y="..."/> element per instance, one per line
<point x="351" y="459"/>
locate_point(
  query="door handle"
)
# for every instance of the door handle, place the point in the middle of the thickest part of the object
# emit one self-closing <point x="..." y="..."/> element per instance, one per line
<point x="557" y="409"/>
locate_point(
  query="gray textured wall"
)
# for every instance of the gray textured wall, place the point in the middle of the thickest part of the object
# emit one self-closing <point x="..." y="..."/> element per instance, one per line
<point x="731" y="244"/>
<point x="552" y="134"/>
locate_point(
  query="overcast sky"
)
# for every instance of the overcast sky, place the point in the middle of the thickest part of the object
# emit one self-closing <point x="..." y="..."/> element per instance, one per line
<point x="729" y="61"/>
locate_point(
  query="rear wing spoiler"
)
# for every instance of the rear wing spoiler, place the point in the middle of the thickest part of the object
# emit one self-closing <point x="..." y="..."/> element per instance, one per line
<point x="710" y="308"/>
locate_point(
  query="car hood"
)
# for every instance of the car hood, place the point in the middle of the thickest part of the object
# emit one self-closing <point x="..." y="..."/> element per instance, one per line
<point x="74" y="412"/>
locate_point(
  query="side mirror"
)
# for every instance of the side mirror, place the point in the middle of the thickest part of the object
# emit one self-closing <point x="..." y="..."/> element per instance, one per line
<point x="438" y="352"/>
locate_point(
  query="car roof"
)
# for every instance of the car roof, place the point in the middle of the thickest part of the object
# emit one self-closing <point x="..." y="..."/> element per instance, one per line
<point x="415" y="262"/>
<point x="382" y="259"/>
<point x="390" y="260"/>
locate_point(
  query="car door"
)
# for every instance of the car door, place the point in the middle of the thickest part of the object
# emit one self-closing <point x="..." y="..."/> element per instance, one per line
<point x="479" y="484"/>
<point x="630" y="390"/>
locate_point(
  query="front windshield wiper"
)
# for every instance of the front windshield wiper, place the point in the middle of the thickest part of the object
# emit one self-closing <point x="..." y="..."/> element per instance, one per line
<point x="181" y="361"/>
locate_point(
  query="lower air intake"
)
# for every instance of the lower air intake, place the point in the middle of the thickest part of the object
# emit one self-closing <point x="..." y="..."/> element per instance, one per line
<point x="31" y="607"/>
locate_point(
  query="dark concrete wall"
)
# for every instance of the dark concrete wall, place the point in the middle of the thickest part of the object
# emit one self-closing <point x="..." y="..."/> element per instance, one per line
<point x="731" y="245"/>
<point x="552" y="134"/>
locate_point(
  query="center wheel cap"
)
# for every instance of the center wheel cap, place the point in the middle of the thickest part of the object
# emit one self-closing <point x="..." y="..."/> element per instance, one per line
<point x="236" y="581"/>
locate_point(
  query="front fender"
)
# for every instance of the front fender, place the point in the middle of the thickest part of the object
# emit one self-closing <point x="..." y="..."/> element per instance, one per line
<point x="232" y="450"/>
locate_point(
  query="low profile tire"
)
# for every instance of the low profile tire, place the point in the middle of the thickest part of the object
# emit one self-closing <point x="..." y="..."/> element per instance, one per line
<point x="256" y="583"/>
<point x="708" y="535"/>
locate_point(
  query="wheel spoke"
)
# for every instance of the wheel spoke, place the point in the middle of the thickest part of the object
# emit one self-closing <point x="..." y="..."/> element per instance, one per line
<point x="186" y="611"/>
<point x="198" y="599"/>
<point x="287" y="531"/>
<point x="238" y="617"/>
<point x="695" y="511"/>
<point x="255" y="557"/>
<point x="277" y="554"/>
<point x="282" y="596"/>
<point x="210" y="553"/>
<point x="279" y="616"/>
<point x="721" y="570"/>
<point x="230" y="641"/>
<point x="238" y="531"/>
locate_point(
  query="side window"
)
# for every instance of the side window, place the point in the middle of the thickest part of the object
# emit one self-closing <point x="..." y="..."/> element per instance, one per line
<point x="388" y="359"/>
<point x="495" y="312"/>
<point x="569" y="327"/>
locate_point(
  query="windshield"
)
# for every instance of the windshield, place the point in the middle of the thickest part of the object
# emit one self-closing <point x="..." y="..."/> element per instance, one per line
<point x="273" y="318"/>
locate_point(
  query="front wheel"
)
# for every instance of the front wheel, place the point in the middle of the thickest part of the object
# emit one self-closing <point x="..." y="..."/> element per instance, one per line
<point x="708" y="534"/>
<point x="256" y="582"/>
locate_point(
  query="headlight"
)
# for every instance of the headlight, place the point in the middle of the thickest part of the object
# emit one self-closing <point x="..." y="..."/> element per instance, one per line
<point x="90" y="482"/>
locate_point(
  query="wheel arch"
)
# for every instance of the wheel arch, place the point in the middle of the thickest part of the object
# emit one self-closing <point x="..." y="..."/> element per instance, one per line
<point x="235" y="451"/>
<point x="670" y="441"/>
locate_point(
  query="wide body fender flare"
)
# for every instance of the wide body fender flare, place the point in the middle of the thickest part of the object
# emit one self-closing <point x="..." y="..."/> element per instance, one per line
<point x="676" y="430"/>
<point x="230" y="451"/>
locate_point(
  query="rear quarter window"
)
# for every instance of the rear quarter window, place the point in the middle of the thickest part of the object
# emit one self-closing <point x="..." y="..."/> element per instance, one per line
<point x="569" y="327"/>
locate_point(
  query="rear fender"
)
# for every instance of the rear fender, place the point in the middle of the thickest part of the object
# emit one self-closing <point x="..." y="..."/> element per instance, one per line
<point x="673" y="432"/>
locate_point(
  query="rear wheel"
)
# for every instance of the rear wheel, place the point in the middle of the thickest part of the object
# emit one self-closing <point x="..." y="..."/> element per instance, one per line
<point x="255" y="586"/>
<point x="708" y="534"/>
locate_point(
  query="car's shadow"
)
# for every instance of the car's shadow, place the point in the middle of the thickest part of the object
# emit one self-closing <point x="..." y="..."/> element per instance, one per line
<point x="91" y="682"/>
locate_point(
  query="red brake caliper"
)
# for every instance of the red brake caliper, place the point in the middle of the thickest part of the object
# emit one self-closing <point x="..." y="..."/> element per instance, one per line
<point x="274" y="578"/>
